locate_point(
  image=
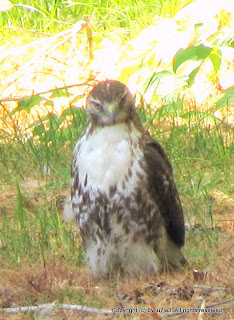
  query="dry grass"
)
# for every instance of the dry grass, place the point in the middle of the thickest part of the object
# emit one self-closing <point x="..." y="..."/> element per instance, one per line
<point x="56" y="281"/>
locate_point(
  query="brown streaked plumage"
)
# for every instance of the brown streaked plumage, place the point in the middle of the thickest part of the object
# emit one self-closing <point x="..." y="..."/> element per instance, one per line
<point x="123" y="191"/>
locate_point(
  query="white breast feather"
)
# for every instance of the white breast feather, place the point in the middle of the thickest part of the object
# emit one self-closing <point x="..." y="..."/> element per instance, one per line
<point x="105" y="156"/>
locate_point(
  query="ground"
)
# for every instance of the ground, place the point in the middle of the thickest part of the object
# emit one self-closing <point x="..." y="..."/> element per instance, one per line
<point x="53" y="279"/>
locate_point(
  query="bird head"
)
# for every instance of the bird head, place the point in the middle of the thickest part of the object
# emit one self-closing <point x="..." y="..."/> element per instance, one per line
<point x="110" y="103"/>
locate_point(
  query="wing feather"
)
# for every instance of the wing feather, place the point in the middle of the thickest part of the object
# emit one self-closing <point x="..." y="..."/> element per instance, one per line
<point x="163" y="190"/>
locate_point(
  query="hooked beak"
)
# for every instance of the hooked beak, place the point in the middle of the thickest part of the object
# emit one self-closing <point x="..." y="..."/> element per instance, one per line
<point x="112" y="115"/>
<point x="112" y="112"/>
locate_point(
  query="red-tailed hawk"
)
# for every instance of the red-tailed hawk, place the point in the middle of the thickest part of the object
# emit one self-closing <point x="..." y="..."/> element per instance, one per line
<point x="123" y="192"/>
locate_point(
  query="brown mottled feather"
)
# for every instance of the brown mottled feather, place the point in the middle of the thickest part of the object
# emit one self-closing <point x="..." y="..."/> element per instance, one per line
<point x="166" y="196"/>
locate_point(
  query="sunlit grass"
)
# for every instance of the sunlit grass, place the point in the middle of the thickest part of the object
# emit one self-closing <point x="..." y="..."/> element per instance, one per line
<point x="202" y="163"/>
<point x="44" y="255"/>
<point x="105" y="16"/>
<point x="36" y="228"/>
<point x="35" y="231"/>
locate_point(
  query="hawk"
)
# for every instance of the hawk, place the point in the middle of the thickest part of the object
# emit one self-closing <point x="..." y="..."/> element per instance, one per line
<point x="123" y="192"/>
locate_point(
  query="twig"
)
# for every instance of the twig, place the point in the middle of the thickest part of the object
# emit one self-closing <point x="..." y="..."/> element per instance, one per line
<point x="30" y="31"/>
<point x="29" y="309"/>
<point x="220" y="302"/>
<point x="223" y="219"/>
<point x="45" y="308"/>
<point x="89" y="35"/>
<point x="45" y="92"/>
<point x="82" y="308"/>
<point x="200" y="286"/>
<point x="201" y="309"/>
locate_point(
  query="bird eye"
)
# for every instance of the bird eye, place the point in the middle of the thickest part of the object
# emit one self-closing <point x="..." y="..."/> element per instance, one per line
<point x="98" y="106"/>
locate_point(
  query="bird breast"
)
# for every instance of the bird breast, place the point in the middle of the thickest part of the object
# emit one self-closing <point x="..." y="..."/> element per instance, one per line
<point x="108" y="155"/>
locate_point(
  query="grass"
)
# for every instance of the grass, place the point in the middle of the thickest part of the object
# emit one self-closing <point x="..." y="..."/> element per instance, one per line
<point x="44" y="256"/>
<point x="41" y="257"/>
<point x="36" y="227"/>
<point x="198" y="175"/>
<point x="106" y="16"/>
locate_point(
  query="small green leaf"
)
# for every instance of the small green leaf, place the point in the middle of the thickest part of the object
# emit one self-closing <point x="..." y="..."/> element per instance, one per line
<point x="39" y="130"/>
<point x="60" y="93"/>
<point x="79" y="114"/>
<point x="157" y="76"/>
<point x="198" y="114"/>
<point x="226" y="99"/>
<point x="215" y="58"/>
<point x="192" y="75"/>
<point x="175" y="109"/>
<point x="196" y="53"/>
<point x="73" y="111"/>
<point x="27" y="103"/>
<point x="166" y="86"/>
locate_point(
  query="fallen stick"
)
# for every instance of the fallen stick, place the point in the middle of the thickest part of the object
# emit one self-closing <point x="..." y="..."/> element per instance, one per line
<point x="49" y="307"/>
